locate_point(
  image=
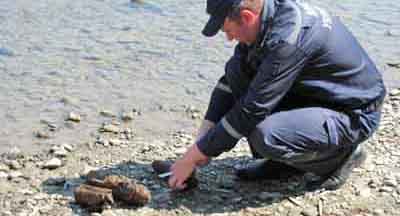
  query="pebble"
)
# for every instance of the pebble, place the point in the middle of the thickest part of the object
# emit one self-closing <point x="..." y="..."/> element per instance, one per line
<point x="110" y="128"/>
<point x="364" y="192"/>
<point x="42" y="135"/>
<point x="14" y="175"/>
<point x="378" y="212"/>
<point x="127" y="116"/>
<point x="309" y="212"/>
<point x="53" y="164"/>
<point x="74" y="117"/>
<point x="390" y="182"/>
<point x="115" y="142"/>
<point x="60" y="152"/>
<point x="67" y="147"/>
<point x="395" y="92"/>
<point x="386" y="189"/>
<point x="15" y="165"/>
<point x="4" y="168"/>
<point x="3" y="175"/>
<point x="107" y="113"/>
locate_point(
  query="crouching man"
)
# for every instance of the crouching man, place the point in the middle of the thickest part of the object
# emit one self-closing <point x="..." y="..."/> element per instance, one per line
<point x="300" y="88"/>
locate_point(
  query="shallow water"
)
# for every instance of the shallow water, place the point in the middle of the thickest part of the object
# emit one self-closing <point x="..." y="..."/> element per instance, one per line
<point x="84" y="56"/>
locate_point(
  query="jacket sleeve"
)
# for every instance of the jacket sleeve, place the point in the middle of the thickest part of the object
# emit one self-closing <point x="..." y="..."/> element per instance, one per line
<point x="222" y="99"/>
<point x="275" y="76"/>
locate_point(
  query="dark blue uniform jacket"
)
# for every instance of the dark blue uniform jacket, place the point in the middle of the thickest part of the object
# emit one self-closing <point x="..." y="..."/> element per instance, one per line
<point x="302" y="56"/>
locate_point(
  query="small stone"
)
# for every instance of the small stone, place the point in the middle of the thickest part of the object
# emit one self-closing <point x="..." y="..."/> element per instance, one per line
<point x="395" y="92"/>
<point x="181" y="150"/>
<point x="393" y="64"/>
<point x="378" y="212"/>
<point x="74" y="117"/>
<point x="53" y="164"/>
<point x="15" y="165"/>
<point x="115" y="142"/>
<point x="110" y="128"/>
<point x="127" y="116"/>
<point x="386" y="189"/>
<point x="107" y="113"/>
<point x="67" y="147"/>
<point x="309" y="212"/>
<point x="14" y="175"/>
<point x="42" y="135"/>
<point x="7" y="213"/>
<point x="3" y="175"/>
<point x="364" y="192"/>
<point x="4" y="168"/>
<point x="390" y="182"/>
<point x="60" y="153"/>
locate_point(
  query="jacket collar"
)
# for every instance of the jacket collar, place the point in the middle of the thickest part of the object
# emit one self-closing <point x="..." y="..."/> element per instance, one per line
<point x="267" y="15"/>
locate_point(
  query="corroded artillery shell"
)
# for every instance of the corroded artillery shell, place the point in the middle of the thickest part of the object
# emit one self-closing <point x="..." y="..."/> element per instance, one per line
<point x="161" y="167"/>
<point x="132" y="193"/>
<point x="123" y="189"/>
<point x="92" y="196"/>
<point x="111" y="181"/>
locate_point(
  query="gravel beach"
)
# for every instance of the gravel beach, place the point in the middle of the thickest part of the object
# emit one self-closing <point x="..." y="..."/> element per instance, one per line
<point x="43" y="183"/>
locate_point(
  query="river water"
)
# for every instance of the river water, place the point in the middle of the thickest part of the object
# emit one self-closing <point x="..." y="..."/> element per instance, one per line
<point x="58" y="56"/>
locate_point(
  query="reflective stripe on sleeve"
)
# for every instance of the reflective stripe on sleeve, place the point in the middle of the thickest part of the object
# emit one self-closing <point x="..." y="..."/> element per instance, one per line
<point x="228" y="127"/>
<point x="223" y="87"/>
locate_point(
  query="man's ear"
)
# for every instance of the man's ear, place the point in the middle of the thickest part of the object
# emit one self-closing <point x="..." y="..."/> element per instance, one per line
<point x="247" y="16"/>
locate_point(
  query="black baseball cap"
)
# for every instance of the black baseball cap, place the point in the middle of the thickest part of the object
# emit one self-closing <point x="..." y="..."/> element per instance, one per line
<point x="218" y="10"/>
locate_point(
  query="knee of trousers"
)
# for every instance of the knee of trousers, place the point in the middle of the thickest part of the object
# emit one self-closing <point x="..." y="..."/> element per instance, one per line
<point x="272" y="142"/>
<point x="263" y="144"/>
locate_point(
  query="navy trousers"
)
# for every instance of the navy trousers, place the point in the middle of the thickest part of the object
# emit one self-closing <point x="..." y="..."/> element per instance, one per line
<point x="312" y="139"/>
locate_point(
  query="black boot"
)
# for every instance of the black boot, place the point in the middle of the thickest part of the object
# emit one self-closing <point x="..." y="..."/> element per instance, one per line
<point x="266" y="169"/>
<point x="338" y="177"/>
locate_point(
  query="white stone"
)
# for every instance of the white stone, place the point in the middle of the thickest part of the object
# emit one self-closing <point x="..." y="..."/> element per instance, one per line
<point x="4" y="168"/>
<point x="110" y="128"/>
<point x="127" y="116"/>
<point x="386" y="189"/>
<point x="60" y="152"/>
<point x="107" y="113"/>
<point x="67" y="147"/>
<point x="74" y="117"/>
<point x="390" y="182"/>
<point x="3" y="175"/>
<point x="395" y="92"/>
<point x="115" y="142"/>
<point x="53" y="164"/>
<point x="14" y="174"/>
<point x="364" y="192"/>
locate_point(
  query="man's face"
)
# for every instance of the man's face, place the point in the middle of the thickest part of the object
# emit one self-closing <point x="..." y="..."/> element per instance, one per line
<point x="243" y="31"/>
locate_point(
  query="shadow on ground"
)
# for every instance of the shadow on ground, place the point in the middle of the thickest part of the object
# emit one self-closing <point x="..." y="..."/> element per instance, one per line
<point x="218" y="192"/>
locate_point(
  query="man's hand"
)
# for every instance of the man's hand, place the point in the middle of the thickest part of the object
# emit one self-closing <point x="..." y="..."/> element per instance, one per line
<point x="184" y="167"/>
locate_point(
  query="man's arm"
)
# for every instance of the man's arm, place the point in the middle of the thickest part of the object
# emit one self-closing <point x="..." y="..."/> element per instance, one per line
<point x="221" y="102"/>
<point x="275" y="76"/>
<point x="206" y="125"/>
